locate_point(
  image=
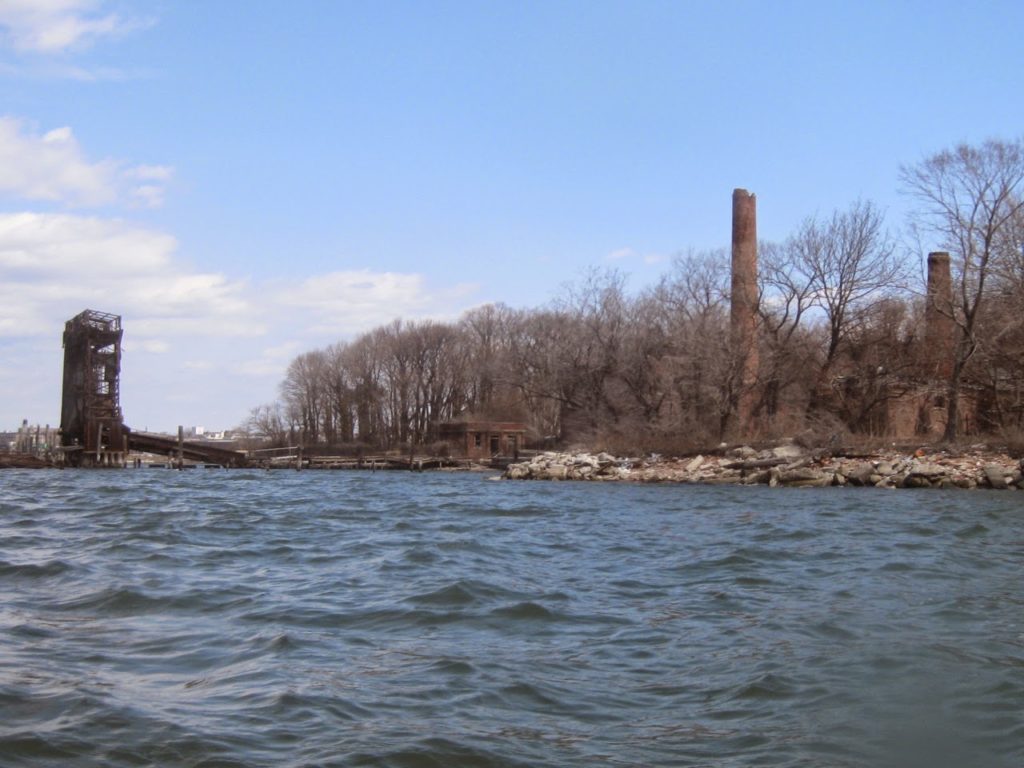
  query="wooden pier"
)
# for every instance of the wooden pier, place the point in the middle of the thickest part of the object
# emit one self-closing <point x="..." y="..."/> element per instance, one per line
<point x="382" y="462"/>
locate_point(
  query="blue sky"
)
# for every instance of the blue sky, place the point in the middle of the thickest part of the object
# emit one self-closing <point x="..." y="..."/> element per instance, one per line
<point x="244" y="181"/>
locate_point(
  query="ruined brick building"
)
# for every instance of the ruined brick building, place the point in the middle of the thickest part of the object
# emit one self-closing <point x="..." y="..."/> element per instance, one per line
<point x="906" y="400"/>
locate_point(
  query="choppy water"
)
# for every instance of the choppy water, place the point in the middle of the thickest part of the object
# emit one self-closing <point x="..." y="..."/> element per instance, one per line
<point x="216" y="618"/>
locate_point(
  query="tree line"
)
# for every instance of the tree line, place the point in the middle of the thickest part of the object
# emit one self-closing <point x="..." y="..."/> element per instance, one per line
<point x="840" y="329"/>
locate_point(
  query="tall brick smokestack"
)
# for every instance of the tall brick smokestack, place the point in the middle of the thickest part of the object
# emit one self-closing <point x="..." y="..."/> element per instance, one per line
<point x="743" y="307"/>
<point x="939" y="327"/>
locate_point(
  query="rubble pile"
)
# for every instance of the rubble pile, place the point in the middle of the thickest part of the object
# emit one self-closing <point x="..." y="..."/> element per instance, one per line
<point x="570" y="466"/>
<point x="786" y="465"/>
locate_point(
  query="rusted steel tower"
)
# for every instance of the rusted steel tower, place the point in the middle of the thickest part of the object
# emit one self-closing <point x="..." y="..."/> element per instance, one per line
<point x="743" y="306"/>
<point x="92" y="430"/>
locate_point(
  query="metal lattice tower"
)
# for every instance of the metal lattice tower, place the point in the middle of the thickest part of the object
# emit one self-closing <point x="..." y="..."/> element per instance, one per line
<point x="91" y="421"/>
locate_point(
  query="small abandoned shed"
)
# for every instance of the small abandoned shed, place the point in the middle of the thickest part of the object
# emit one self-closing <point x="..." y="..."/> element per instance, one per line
<point x="483" y="439"/>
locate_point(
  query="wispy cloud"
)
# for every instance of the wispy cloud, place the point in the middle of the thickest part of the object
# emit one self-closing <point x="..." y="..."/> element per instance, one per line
<point x="51" y="167"/>
<point x="630" y="254"/>
<point x="270" y="361"/>
<point x="211" y="342"/>
<point x="55" y="26"/>
<point x="348" y="302"/>
<point x="620" y="254"/>
<point x="227" y="340"/>
<point x="53" y="264"/>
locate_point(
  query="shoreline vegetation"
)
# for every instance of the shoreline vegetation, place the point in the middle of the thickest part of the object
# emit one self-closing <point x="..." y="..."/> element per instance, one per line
<point x="829" y="329"/>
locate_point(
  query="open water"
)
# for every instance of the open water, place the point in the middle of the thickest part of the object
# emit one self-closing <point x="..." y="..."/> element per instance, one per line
<point x="241" y="618"/>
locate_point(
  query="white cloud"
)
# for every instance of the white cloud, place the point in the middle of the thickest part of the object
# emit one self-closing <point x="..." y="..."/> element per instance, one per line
<point x="360" y="286"/>
<point x="52" y="168"/>
<point x="152" y="172"/>
<point x="71" y="247"/>
<point x="622" y="254"/>
<point x="148" y="196"/>
<point x="152" y="346"/>
<point x="348" y="302"/>
<point x="54" y="26"/>
<point x="219" y="342"/>
<point x="53" y="265"/>
<point x="271" y="361"/>
<point x="213" y="344"/>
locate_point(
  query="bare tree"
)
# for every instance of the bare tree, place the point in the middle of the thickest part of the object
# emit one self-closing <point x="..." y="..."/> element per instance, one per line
<point x="842" y="266"/>
<point x="786" y="288"/>
<point x="303" y="394"/>
<point x="268" y="422"/>
<point x="878" y="366"/>
<point x="362" y="359"/>
<point x="702" y="369"/>
<point x="969" y="199"/>
<point x="595" y="311"/>
<point x="786" y="298"/>
<point x="485" y="332"/>
<point x="337" y="381"/>
<point x="820" y="289"/>
<point x="852" y="266"/>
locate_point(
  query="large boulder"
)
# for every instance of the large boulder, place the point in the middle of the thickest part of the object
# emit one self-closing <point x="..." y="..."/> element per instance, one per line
<point x="552" y="472"/>
<point x="804" y="477"/>
<point x="926" y="469"/>
<point x="755" y="478"/>
<point x="519" y="471"/>
<point x="996" y="476"/>
<point x="916" y="481"/>
<point x="922" y="474"/>
<point x="862" y="474"/>
<point x="787" y="451"/>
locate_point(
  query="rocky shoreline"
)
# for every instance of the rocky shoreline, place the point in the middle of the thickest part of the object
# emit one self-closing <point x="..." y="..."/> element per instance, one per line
<point x="788" y="465"/>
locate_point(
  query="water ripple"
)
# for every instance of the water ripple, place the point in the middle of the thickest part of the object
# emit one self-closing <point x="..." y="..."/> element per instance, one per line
<point x="390" y="619"/>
